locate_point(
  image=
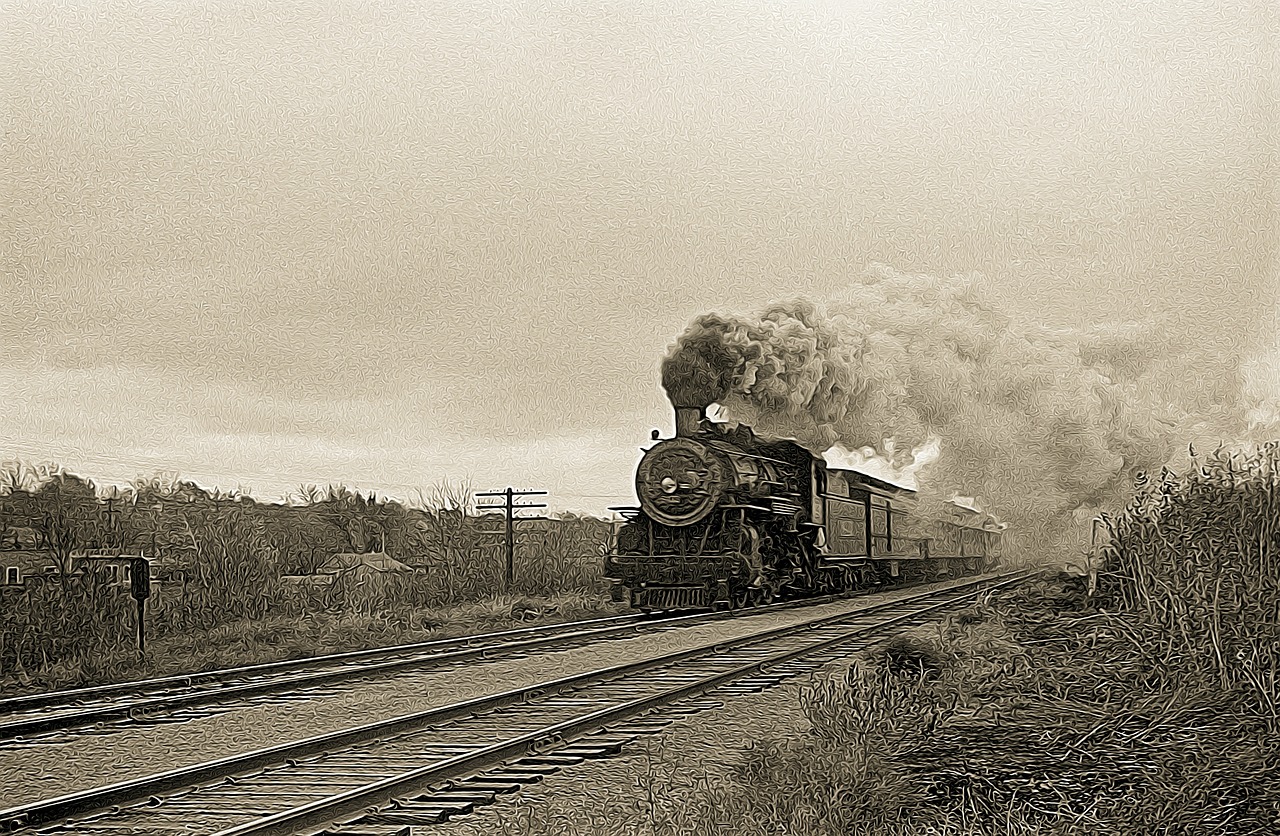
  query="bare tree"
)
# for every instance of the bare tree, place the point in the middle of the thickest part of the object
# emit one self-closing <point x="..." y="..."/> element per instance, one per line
<point x="63" y="510"/>
<point x="448" y="496"/>
<point x="306" y="495"/>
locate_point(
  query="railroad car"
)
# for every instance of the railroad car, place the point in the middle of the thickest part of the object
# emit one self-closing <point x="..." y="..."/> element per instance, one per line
<point x="729" y="519"/>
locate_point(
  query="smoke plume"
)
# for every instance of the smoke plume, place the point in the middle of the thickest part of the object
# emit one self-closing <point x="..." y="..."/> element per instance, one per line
<point x="924" y="376"/>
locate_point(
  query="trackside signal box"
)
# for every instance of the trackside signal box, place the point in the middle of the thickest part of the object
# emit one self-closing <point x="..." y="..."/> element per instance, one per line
<point x="140" y="589"/>
<point x="140" y="578"/>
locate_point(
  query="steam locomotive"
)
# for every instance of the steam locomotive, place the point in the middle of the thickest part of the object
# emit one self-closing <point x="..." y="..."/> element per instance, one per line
<point x="729" y="519"/>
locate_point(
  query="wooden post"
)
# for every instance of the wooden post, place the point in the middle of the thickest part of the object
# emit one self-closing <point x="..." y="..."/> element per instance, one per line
<point x="511" y="542"/>
<point x="142" y="631"/>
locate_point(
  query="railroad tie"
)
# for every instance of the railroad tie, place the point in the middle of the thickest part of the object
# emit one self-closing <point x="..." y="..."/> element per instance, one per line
<point x="649" y="726"/>
<point x="549" y="760"/>
<point x="477" y="797"/>
<point x="588" y="751"/>
<point x="524" y="767"/>
<point x="372" y="830"/>
<point x="485" y="784"/>
<point x="602" y="738"/>
<point x="420" y="812"/>
<point x="522" y="776"/>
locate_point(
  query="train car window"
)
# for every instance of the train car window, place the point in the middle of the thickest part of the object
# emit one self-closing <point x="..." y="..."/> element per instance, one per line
<point x="847" y="529"/>
<point x="879" y="522"/>
<point x="834" y="484"/>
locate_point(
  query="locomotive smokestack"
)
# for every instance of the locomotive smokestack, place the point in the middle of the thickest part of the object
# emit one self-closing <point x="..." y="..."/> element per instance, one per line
<point x="687" y="419"/>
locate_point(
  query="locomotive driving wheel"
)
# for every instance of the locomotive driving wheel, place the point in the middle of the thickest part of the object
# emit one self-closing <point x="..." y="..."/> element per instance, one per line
<point x="743" y="596"/>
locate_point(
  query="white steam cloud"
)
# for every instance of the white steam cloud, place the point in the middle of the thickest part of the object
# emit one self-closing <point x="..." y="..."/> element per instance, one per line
<point x="882" y="466"/>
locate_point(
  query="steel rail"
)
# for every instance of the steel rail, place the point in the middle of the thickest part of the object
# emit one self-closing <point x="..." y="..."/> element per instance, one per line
<point x="68" y="806"/>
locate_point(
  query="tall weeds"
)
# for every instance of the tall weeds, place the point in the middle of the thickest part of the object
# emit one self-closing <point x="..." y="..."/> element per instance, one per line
<point x="463" y="558"/>
<point x="47" y="623"/>
<point x="232" y="572"/>
<point x="1196" y="556"/>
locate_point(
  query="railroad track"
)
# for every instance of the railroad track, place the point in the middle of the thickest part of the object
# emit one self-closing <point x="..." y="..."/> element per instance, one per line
<point x="384" y="778"/>
<point x="156" y="700"/>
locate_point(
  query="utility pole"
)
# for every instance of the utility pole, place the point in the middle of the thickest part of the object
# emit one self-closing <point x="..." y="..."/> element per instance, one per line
<point x="113" y="520"/>
<point x="509" y="507"/>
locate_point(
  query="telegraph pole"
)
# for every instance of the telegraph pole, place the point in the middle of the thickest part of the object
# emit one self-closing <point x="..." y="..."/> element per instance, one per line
<point x="113" y="520"/>
<point x="509" y="507"/>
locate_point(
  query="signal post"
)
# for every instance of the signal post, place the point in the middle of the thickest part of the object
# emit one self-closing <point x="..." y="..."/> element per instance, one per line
<point x="140" y="589"/>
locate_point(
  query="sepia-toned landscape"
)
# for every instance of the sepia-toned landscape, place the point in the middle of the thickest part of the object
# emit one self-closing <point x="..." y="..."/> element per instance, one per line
<point x="651" y="418"/>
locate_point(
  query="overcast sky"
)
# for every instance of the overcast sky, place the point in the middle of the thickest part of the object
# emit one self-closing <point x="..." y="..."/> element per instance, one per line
<point x="269" y="243"/>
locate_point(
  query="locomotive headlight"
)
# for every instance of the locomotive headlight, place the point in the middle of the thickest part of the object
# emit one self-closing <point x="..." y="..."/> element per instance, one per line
<point x="669" y="485"/>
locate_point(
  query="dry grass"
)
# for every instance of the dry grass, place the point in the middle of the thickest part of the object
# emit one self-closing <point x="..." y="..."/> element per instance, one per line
<point x="1194" y="557"/>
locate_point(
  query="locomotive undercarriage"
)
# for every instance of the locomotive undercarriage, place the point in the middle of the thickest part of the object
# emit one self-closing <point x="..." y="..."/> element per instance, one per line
<point x="701" y="566"/>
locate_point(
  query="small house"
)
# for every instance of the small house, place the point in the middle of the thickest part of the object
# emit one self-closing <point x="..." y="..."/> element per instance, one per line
<point x="17" y="566"/>
<point x="366" y="580"/>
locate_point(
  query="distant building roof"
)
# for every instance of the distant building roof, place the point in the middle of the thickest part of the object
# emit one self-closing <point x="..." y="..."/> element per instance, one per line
<point x="105" y="554"/>
<point x="346" y="561"/>
<point x="31" y="562"/>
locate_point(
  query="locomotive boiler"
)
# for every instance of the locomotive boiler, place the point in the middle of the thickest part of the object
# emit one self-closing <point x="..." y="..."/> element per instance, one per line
<point x="729" y="519"/>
